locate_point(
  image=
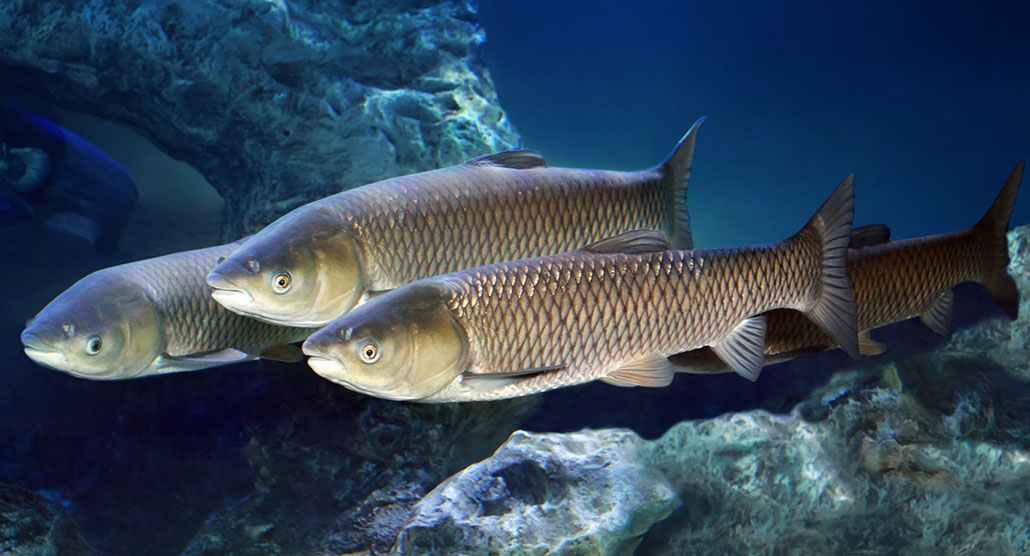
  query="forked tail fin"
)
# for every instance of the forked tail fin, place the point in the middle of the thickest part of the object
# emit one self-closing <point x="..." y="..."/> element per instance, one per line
<point x="677" y="169"/>
<point x="993" y="229"/>
<point x="833" y="308"/>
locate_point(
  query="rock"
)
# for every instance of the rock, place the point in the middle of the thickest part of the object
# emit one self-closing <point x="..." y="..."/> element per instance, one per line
<point x="342" y="474"/>
<point x="573" y="494"/>
<point x="30" y="525"/>
<point x="275" y="102"/>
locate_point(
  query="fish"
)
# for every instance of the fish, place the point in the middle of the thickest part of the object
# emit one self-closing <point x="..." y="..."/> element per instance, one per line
<point x="151" y="317"/>
<point x="611" y="311"/>
<point x="899" y="280"/>
<point x="322" y="259"/>
<point x="51" y="176"/>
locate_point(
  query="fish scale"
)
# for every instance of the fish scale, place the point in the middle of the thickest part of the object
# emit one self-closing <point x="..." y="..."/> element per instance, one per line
<point x="194" y="322"/>
<point x="895" y="281"/>
<point x="598" y="311"/>
<point x="495" y="214"/>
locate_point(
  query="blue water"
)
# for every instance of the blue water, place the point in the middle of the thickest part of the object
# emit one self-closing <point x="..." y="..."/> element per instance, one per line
<point x="927" y="102"/>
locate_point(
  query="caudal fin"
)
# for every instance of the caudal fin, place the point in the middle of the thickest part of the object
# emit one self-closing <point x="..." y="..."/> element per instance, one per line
<point x="833" y="308"/>
<point x="677" y="169"/>
<point x="993" y="228"/>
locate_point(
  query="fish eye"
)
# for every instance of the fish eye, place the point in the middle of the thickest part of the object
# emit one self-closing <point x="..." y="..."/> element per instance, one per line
<point x="94" y="345"/>
<point x="281" y="282"/>
<point x="370" y="352"/>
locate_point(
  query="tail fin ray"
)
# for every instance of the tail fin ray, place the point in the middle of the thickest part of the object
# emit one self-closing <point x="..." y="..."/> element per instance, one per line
<point x="833" y="309"/>
<point x="994" y="229"/>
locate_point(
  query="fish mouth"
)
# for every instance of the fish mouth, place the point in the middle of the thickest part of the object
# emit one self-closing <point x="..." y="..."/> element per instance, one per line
<point x="43" y="353"/>
<point x="232" y="299"/>
<point x="327" y="367"/>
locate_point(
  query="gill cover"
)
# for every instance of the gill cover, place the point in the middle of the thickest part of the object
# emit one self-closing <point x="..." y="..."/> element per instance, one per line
<point x="404" y="345"/>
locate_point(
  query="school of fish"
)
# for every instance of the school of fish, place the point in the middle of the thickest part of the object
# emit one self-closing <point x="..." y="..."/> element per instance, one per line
<point x="502" y="277"/>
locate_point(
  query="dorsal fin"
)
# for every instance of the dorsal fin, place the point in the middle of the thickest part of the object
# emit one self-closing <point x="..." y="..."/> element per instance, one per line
<point x="630" y="243"/>
<point x="677" y="169"/>
<point x="867" y="236"/>
<point x="523" y="159"/>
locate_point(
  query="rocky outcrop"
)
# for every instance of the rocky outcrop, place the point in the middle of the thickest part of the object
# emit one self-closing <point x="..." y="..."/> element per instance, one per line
<point x="352" y="488"/>
<point x="574" y="494"/>
<point x="275" y="102"/>
<point x="30" y="525"/>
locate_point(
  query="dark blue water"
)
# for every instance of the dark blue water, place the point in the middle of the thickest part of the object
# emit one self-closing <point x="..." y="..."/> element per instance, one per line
<point x="927" y="102"/>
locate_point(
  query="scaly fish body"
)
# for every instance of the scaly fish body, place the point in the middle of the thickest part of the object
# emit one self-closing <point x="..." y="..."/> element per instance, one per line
<point x="325" y="258"/>
<point x="899" y="280"/>
<point x="151" y="317"/>
<point x="612" y="311"/>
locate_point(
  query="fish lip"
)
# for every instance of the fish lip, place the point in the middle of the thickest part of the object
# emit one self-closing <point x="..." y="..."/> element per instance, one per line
<point x="43" y="353"/>
<point x="35" y="343"/>
<point x="231" y="298"/>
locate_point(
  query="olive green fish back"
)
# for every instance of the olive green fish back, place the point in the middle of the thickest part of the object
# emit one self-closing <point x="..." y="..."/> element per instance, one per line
<point x="476" y="214"/>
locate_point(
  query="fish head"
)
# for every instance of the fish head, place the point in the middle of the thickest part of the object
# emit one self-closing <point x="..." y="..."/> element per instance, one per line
<point x="404" y="345"/>
<point x="101" y="328"/>
<point x="301" y="270"/>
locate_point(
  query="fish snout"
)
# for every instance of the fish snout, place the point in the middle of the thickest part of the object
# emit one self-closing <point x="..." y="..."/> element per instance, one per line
<point x="43" y="353"/>
<point x="319" y="359"/>
<point x="227" y="293"/>
<point x="31" y="341"/>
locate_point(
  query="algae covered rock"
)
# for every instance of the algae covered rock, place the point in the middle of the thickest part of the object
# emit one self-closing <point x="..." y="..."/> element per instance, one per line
<point x="276" y="103"/>
<point x="31" y="525"/>
<point x="580" y="493"/>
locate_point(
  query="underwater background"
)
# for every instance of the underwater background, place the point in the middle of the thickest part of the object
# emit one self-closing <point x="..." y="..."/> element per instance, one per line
<point x="925" y="102"/>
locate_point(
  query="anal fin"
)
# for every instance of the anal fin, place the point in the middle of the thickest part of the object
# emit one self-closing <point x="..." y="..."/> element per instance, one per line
<point x="868" y="346"/>
<point x="938" y="316"/>
<point x="743" y="349"/>
<point x="197" y="361"/>
<point x="652" y="371"/>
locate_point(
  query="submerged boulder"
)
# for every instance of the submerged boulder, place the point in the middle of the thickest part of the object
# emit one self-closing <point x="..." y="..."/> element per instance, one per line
<point x="275" y="102"/>
<point x="557" y="494"/>
<point x="31" y="525"/>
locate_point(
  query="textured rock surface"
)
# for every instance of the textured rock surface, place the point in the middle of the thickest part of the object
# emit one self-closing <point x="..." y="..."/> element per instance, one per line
<point x="30" y="525"/>
<point x="580" y="493"/>
<point x="275" y="102"/>
<point x="351" y="488"/>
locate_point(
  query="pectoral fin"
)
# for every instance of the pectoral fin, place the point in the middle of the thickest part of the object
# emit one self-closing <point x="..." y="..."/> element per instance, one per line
<point x="743" y="349"/>
<point x="938" y="316"/>
<point x="652" y="371"/>
<point x="287" y="353"/>
<point x="197" y="361"/>
<point x="485" y="382"/>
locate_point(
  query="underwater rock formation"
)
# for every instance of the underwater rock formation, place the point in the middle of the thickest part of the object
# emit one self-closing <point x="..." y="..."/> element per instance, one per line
<point x="572" y="494"/>
<point x="342" y="490"/>
<point x="275" y="102"/>
<point x="31" y="525"/>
